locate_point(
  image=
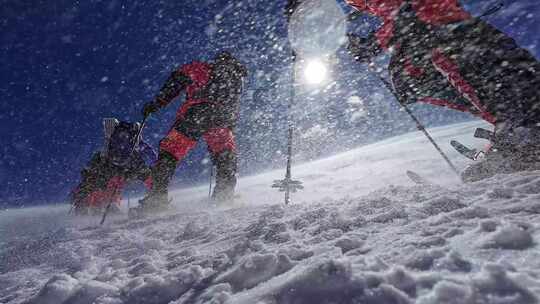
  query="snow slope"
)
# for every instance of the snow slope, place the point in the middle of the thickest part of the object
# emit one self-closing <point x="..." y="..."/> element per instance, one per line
<point x="361" y="232"/>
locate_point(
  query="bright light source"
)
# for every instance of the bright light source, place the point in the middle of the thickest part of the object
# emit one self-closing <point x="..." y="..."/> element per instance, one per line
<point x="315" y="72"/>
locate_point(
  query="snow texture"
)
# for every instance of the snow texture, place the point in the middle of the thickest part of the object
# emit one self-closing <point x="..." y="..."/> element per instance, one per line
<point x="361" y="232"/>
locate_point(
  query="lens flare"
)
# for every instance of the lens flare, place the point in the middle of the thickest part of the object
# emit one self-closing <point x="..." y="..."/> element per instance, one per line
<point x="315" y="72"/>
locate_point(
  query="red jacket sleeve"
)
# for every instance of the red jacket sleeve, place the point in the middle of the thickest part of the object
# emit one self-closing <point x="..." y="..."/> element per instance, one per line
<point x="436" y="12"/>
<point x="174" y="85"/>
<point x="199" y="73"/>
<point x="439" y="12"/>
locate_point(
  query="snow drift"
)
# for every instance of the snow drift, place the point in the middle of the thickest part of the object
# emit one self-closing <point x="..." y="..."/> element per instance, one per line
<point x="396" y="243"/>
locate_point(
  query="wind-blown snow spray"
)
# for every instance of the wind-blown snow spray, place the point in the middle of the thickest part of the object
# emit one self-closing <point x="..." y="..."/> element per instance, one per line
<point x="316" y="30"/>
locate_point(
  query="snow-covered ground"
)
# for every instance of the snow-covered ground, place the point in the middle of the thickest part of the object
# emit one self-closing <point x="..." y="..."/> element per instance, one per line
<point x="361" y="232"/>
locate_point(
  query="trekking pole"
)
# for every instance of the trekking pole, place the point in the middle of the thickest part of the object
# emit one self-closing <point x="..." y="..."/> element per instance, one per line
<point x="492" y="9"/>
<point x="287" y="184"/>
<point x="139" y="132"/>
<point x="210" y="183"/>
<point x="71" y="209"/>
<point x="105" y="213"/>
<point x="421" y="127"/>
<point x="117" y="187"/>
<point x="419" y="124"/>
<point x="107" y="209"/>
<point x="390" y="88"/>
<point x="74" y="205"/>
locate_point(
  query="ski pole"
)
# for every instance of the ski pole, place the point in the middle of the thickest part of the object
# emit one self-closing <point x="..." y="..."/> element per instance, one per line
<point x="290" y="134"/>
<point x="492" y="9"/>
<point x="210" y="183"/>
<point x="105" y="213"/>
<point x="288" y="175"/>
<point x="74" y="205"/>
<point x="117" y="188"/>
<point x="421" y="127"/>
<point x="419" y="124"/>
<point x="139" y="132"/>
<point x="287" y="184"/>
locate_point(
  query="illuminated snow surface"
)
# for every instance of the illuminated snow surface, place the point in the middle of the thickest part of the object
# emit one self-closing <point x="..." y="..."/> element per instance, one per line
<point x="361" y="232"/>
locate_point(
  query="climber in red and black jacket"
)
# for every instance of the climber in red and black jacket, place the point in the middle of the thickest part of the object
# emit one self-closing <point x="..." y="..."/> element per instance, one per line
<point x="210" y="111"/>
<point x="124" y="159"/>
<point x="443" y="56"/>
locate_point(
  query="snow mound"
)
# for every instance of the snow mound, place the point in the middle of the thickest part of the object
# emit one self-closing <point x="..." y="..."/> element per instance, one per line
<point x="57" y="290"/>
<point x="509" y="237"/>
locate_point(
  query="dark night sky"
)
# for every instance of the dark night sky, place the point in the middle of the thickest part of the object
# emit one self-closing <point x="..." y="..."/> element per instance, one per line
<point x="65" y="65"/>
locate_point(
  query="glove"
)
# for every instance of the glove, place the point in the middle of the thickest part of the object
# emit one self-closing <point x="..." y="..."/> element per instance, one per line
<point x="362" y="49"/>
<point x="149" y="108"/>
